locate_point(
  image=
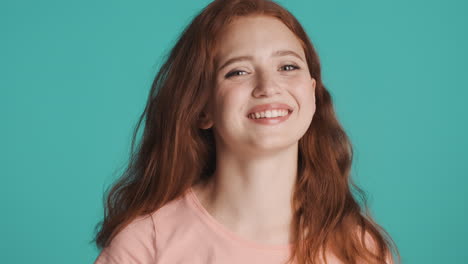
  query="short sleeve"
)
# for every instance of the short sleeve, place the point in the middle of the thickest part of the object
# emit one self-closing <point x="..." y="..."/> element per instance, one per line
<point x="133" y="244"/>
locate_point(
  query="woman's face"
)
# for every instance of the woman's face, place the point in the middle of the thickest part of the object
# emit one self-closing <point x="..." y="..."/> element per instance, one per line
<point x="275" y="72"/>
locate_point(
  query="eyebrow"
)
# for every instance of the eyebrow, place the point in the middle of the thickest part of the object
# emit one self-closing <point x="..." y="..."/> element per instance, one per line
<point x="277" y="53"/>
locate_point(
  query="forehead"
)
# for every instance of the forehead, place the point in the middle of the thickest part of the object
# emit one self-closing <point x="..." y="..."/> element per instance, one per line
<point x="256" y="35"/>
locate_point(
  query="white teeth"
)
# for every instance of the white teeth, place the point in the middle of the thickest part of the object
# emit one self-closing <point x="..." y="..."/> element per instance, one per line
<point x="269" y="114"/>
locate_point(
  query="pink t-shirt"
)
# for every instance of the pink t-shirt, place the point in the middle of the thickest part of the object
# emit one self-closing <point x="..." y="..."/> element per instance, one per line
<point x="181" y="232"/>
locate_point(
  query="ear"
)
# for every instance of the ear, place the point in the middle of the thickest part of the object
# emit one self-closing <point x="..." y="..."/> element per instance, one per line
<point x="205" y="121"/>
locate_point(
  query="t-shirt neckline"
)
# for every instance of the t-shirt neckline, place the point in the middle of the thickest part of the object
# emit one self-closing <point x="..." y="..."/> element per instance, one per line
<point x="217" y="227"/>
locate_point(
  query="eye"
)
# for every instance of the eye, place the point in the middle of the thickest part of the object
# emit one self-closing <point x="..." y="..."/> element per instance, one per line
<point x="289" y="66"/>
<point x="233" y="73"/>
<point x="292" y="67"/>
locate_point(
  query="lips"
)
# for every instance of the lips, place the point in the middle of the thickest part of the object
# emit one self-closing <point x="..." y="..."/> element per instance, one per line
<point x="271" y="106"/>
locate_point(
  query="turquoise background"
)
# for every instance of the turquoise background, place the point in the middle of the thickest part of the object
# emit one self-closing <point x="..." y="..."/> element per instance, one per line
<point x="74" y="76"/>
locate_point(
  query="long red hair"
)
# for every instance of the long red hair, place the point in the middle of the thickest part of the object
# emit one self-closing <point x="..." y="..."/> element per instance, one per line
<point x="174" y="153"/>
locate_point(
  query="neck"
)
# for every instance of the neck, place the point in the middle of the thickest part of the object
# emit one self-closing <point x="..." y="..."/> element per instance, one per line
<point x="252" y="195"/>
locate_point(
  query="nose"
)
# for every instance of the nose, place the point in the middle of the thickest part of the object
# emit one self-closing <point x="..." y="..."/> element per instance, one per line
<point x="265" y="85"/>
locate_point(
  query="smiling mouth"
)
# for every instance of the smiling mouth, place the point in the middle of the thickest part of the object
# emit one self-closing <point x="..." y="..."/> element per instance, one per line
<point x="271" y="121"/>
<point x="270" y="114"/>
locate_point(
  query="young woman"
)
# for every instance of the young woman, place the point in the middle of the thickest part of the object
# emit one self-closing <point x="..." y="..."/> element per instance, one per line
<point x="242" y="159"/>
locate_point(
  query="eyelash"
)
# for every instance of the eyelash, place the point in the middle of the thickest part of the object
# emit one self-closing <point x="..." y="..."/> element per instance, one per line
<point x="229" y="75"/>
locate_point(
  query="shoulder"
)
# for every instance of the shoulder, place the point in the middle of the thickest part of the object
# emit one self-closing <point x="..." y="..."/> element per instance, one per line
<point x="372" y="246"/>
<point x="135" y="243"/>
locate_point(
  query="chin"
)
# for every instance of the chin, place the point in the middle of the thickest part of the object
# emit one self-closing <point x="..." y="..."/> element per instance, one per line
<point x="269" y="145"/>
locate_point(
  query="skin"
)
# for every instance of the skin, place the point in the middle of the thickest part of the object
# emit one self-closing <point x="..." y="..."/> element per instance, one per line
<point x="252" y="188"/>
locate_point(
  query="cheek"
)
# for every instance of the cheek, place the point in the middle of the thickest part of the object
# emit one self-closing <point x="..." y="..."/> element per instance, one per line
<point x="229" y="101"/>
<point x="305" y="92"/>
